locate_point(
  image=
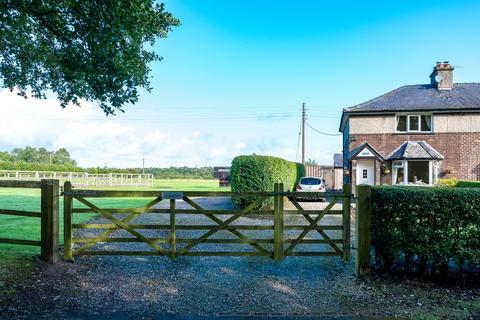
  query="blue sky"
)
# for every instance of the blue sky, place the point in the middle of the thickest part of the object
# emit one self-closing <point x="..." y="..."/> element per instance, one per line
<point x="235" y="74"/>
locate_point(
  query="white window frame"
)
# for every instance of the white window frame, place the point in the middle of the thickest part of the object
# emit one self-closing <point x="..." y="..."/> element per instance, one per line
<point x="419" y="128"/>
<point x="432" y="171"/>
<point x="395" y="166"/>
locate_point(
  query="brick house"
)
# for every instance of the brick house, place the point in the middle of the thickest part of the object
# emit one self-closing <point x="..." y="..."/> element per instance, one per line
<point x="414" y="134"/>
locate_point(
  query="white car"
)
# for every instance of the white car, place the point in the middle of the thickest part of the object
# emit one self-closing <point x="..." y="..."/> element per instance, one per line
<point x="311" y="184"/>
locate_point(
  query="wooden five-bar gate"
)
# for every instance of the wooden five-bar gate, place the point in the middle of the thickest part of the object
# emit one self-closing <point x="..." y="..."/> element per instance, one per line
<point x="184" y="225"/>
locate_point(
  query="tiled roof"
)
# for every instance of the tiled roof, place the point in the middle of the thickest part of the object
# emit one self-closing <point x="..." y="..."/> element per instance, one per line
<point x="463" y="96"/>
<point x="415" y="150"/>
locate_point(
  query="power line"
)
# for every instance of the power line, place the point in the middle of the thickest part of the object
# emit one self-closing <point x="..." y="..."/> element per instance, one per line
<point x="232" y="117"/>
<point x="324" y="133"/>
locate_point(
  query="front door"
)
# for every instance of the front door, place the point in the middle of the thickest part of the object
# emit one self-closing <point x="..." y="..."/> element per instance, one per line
<point x="366" y="171"/>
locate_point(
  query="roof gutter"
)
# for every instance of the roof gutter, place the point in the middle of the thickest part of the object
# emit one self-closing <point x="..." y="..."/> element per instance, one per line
<point x="454" y="110"/>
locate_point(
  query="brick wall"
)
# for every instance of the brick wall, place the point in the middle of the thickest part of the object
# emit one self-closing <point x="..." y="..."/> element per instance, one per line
<point x="461" y="151"/>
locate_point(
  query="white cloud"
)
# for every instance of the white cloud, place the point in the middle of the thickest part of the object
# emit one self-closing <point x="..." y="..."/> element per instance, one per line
<point x="95" y="140"/>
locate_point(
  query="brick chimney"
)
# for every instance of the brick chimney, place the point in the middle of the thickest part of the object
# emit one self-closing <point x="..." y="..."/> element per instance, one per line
<point x="442" y="76"/>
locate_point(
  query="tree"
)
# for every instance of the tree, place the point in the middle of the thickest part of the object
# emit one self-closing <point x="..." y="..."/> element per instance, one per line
<point x="92" y="50"/>
<point x="311" y="162"/>
<point x="27" y="154"/>
<point x="5" y="156"/>
<point x="62" y="156"/>
<point x="40" y="155"/>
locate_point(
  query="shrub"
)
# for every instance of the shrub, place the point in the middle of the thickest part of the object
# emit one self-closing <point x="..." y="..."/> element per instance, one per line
<point x="32" y="166"/>
<point x="468" y="184"/>
<point x="434" y="225"/>
<point x="451" y="182"/>
<point x="260" y="173"/>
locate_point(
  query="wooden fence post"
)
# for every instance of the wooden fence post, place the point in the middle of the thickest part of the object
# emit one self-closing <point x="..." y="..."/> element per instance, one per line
<point x="346" y="204"/>
<point x="67" y="222"/>
<point x="173" y="233"/>
<point x="363" y="228"/>
<point x="49" y="224"/>
<point x="278" y="223"/>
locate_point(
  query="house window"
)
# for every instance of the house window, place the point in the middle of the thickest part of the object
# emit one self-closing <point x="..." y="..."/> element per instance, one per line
<point x="415" y="172"/>
<point x="401" y="123"/>
<point x="418" y="172"/>
<point x="365" y="173"/>
<point x="414" y="123"/>
<point x="397" y="172"/>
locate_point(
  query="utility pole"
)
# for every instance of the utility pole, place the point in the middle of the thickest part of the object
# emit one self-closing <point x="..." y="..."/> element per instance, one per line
<point x="303" y="133"/>
<point x="143" y="165"/>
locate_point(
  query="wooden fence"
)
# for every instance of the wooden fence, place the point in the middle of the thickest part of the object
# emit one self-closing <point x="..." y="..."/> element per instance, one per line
<point x="275" y="237"/>
<point x="48" y="216"/>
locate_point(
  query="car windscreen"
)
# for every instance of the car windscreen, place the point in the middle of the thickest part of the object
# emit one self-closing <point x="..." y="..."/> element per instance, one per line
<point x="310" y="181"/>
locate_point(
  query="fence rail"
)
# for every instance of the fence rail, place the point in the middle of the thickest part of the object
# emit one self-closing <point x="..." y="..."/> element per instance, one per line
<point x="48" y="215"/>
<point x="164" y="240"/>
<point x="81" y="179"/>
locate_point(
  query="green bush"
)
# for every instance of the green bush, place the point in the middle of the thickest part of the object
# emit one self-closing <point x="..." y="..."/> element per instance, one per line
<point x="468" y="184"/>
<point x="451" y="182"/>
<point x="434" y="225"/>
<point x="260" y="173"/>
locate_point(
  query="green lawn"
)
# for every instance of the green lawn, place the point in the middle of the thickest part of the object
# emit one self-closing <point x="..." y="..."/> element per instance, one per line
<point x="180" y="185"/>
<point x="29" y="228"/>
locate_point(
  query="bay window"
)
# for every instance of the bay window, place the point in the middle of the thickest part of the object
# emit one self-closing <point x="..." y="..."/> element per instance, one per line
<point x="415" y="172"/>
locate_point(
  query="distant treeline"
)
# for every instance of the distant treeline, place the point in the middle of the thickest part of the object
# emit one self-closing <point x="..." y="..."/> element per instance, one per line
<point x="40" y="156"/>
<point x="33" y="159"/>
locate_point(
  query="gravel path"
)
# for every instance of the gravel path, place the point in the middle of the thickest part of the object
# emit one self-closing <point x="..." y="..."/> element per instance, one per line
<point x="127" y="287"/>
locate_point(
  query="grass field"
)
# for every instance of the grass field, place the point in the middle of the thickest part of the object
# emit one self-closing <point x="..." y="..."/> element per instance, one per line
<point x="29" y="228"/>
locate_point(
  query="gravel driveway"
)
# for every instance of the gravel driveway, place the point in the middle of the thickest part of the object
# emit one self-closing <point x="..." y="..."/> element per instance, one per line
<point x="129" y="287"/>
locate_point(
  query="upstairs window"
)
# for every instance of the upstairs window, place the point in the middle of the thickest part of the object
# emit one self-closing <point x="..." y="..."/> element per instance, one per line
<point x="414" y="123"/>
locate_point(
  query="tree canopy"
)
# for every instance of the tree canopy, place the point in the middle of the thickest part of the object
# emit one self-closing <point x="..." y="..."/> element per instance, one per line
<point x="40" y="155"/>
<point x="93" y="50"/>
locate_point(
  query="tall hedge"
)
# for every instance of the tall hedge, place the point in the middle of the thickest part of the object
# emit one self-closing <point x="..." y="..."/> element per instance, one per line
<point x="429" y="225"/>
<point x="468" y="184"/>
<point x="260" y="173"/>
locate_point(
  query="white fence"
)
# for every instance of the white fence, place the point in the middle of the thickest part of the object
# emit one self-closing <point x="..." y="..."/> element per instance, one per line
<point x="82" y="179"/>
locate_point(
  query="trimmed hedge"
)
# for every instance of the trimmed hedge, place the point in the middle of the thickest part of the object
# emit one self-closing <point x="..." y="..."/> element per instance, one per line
<point x="431" y="226"/>
<point x="455" y="183"/>
<point x="260" y="173"/>
<point x="468" y="184"/>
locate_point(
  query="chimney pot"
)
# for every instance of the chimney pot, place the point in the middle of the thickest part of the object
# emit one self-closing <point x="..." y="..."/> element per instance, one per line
<point x="442" y="76"/>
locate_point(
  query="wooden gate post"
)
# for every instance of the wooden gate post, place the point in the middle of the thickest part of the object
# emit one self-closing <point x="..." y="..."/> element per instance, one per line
<point x="49" y="224"/>
<point x="363" y="227"/>
<point x="346" y="204"/>
<point x="67" y="222"/>
<point x="173" y="233"/>
<point x="278" y="223"/>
